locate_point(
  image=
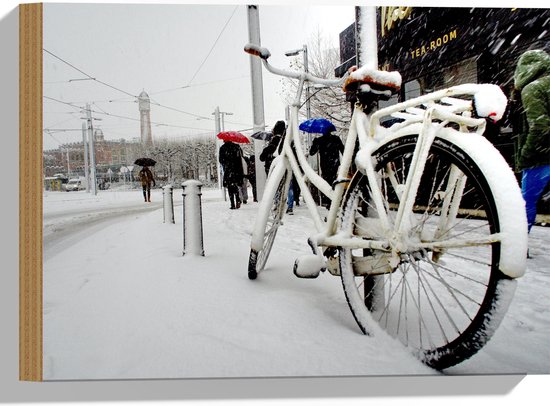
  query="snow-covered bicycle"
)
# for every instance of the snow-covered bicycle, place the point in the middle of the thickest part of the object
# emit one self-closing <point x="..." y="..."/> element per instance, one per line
<point x="426" y="225"/>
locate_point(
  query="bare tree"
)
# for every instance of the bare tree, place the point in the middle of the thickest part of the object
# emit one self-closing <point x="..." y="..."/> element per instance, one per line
<point x="325" y="102"/>
<point x="179" y="160"/>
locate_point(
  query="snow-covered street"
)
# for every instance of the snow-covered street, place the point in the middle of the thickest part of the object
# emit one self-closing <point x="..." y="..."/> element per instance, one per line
<point x="122" y="302"/>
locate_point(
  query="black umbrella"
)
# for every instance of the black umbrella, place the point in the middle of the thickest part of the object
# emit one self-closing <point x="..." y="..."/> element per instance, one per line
<point x="145" y="162"/>
<point x="262" y="135"/>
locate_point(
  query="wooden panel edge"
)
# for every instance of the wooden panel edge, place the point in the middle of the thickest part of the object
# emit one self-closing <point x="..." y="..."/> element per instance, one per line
<point x="30" y="192"/>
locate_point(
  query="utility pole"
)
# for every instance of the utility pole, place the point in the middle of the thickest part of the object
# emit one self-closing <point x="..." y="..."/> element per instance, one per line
<point x="219" y="120"/>
<point x="257" y="95"/>
<point x="216" y="114"/>
<point x="92" y="149"/>
<point x="86" y="168"/>
<point x="68" y="163"/>
<point x="223" y="114"/>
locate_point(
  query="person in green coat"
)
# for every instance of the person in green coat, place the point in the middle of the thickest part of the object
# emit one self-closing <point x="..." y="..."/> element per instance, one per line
<point x="532" y="81"/>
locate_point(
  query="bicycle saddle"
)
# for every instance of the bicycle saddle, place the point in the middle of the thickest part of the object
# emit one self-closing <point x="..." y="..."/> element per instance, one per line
<point x="368" y="80"/>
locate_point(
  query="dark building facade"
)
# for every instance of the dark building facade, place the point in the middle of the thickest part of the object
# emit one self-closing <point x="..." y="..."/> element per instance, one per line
<point x="435" y="48"/>
<point x="426" y="41"/>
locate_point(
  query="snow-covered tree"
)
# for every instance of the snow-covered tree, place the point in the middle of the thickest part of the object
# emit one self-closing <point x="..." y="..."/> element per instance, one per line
<point x="180" y="160"/>
<point x="329" y="103"/>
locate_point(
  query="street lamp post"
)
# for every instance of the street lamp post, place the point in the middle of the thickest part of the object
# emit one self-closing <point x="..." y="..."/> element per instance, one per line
<point x="295" y="52"/>
<point x="68" y="162"/>
<point x="223" y="114"/>
<point x="90" y="126"/>
<point x="220" y="126"/>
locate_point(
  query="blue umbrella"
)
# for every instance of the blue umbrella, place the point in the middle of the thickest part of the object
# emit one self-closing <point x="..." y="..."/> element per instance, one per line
<point x="317" y="125"/>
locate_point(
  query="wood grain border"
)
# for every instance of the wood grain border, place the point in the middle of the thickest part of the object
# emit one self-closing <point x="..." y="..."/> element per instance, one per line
<point x="30" y="192"/>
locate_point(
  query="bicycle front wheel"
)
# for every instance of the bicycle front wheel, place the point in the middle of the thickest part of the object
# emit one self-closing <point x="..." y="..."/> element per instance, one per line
<point x="276" y="199"/>
<point x="443" y="303"/>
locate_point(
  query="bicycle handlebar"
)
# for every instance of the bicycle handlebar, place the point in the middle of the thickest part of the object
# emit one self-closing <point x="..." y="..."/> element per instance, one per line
<point x="264" y="54"/>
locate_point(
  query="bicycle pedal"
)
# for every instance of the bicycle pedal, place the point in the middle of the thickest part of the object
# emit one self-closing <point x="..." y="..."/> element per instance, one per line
<point x="308" y="266"/>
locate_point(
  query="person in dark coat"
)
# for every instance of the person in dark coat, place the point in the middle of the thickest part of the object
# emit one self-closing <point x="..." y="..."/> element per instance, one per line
<point x="251" y="163"/>
<point x="532" y="80"/>
<point x="268" y="153"/>
<point x="146" y="178"/>
<point x="267" y="156"/>
<point x="329" y="147"/>
<point x="231" y="161"/>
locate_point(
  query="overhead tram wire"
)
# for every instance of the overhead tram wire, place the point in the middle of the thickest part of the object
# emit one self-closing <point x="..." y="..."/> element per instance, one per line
<point x="122" y="117"/>
<point x="125" y="92"/>
<point x="213" y="45"/>
<point x="135" y="119"/>
<point x="134" y="96"/>
<point x="88" y="76"/>
<point x="114" y="87"/>
<point x="197" y="85"/>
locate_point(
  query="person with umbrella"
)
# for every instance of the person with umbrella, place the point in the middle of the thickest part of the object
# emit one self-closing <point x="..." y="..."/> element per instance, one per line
<point x="268" y="153"/>
<point x="146" y="178"/>
<point x="230" y="157"/>
<point x="329" y="146"/>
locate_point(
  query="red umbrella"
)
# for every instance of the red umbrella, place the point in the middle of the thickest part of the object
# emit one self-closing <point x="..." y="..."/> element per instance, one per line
<point x="234" y="136"/>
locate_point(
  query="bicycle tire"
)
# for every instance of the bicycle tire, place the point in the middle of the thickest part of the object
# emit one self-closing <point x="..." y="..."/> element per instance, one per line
<point x="444" y="306"/>
<point x="258" y="258"/>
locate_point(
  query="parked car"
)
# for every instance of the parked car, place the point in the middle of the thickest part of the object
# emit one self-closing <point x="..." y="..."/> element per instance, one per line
<point x="75" y="184"/>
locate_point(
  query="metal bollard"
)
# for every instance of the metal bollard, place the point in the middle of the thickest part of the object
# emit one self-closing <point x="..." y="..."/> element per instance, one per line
<point x="168" y="201"/>
<point x="192" y="218"/>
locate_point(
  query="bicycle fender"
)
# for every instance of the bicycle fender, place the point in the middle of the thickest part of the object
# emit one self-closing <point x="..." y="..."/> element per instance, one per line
<point x="507" y="194"/>
<point x="509" y="201"/>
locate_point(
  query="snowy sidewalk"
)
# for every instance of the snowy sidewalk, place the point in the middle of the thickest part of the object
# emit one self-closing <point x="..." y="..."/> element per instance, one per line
<point x="123" y="303"/>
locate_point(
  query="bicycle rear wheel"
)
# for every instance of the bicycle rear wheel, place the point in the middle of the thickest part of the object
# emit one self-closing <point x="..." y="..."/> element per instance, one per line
<point x="277" y="199"/>
<point x="445" y="303"/>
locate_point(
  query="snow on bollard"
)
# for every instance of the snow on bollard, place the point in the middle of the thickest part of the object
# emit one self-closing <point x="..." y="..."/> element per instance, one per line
<point x="192" y="218"/>
<point x="168" y="201"/>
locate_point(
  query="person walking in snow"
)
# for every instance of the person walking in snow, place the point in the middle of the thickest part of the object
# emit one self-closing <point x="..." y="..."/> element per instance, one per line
<point x="268" y="153"/>
<point x="329" y="146"/>
<point x="243" y="187"/>
<point x="146" y="178"/>
<point x="231" y="161"/>
<point x="293" y="196"/>
<point x="251" y="165"/>
<point x="532" y="82"/>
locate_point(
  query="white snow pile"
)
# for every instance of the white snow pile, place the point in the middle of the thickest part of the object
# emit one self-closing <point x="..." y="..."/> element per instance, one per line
<point x="490" y="101"/>
<point x="122" y="302"/>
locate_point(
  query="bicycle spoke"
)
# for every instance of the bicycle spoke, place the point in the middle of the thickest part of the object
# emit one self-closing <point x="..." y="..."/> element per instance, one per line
<point x="434" y="287"/>
<point x="451" y="290"/>
<point x="431" y="306"/>
<point x="455" y="273"/>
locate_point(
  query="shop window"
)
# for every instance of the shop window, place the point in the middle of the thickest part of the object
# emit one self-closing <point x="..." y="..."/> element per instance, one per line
<point x="463" y="72"/>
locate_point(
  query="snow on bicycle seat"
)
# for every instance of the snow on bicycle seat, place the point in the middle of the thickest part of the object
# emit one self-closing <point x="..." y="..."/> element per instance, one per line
<point x="368" y="79"/>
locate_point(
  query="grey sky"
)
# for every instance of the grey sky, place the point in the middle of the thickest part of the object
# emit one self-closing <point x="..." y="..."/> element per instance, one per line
<point x="160" y="48"/>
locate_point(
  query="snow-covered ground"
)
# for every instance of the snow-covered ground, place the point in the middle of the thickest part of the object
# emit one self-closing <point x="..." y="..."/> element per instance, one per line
<point x="122" y="302"/>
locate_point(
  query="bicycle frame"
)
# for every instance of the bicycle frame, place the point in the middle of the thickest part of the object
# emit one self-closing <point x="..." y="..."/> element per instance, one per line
<point x="425" y="116"/>
<point x="430" y="185"/>
<point x="366" y="128"/>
